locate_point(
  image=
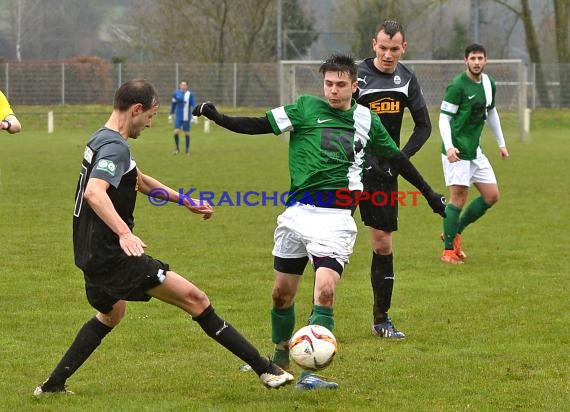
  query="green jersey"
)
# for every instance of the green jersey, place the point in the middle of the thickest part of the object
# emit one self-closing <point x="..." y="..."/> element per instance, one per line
<point x="467" y="104"/>
<point x="326" y="145"/>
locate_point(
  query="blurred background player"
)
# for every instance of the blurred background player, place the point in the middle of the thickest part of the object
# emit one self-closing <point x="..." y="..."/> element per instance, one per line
<point x="9" y="121"/>
<point x="468" y="103"/>
<point x="387" y="87"/>
<point x="183" y="102"/>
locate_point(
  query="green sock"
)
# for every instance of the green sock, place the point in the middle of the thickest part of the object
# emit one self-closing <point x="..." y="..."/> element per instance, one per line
<point x="450" y="224"/>
<point x="282" y="324"/>
<point x="472" y="212"/>
<point x="323" y="316"/>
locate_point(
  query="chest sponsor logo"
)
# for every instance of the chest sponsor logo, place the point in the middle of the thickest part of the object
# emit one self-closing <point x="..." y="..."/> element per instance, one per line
<point x="385" y="105"/>
<point x="106" y="166"/>
<point x="397" y="80"/>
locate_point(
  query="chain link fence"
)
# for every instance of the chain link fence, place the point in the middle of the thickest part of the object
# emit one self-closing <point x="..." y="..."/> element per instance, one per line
<point x="251" y="85"/>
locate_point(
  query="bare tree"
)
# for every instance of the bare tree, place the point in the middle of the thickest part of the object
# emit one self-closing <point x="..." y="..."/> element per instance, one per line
<point x="524" y="13"/>
<point x="561" y="16"/>
<point x="26" y="24"/>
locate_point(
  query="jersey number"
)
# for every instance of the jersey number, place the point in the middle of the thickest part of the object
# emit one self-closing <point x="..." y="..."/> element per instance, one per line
<point x="338" y="141"/>
<point x="80" y="191"/>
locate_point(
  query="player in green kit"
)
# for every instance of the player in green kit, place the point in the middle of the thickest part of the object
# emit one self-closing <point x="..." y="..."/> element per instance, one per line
<point x="328" y="139"/>
<point x="468" y="103"/>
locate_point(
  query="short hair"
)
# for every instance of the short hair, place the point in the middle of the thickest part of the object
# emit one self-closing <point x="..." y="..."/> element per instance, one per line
<point x="475" y="48"/>
<point x="391" y="28"/>
<point x="340" y="63"/>
<point x="133" y="92"/>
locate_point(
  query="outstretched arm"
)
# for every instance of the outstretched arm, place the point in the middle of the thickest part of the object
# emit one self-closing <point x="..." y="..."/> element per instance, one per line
<point x="147" y="185"/>
<point x="243" y="125"/>
<point x="409" y="172"/>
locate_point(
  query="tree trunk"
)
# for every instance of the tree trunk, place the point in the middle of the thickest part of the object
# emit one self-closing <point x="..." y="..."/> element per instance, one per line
<point x="561" y="19"/>
<point x="533" y="48"/>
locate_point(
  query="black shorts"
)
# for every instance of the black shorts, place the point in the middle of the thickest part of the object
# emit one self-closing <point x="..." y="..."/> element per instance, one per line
<point x="123" y="278"/>
<point x="383" y="217"/>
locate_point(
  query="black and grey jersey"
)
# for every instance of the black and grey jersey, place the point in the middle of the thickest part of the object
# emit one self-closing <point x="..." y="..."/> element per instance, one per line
<point x="106" y="156"/>
<point x="388" y="94"/>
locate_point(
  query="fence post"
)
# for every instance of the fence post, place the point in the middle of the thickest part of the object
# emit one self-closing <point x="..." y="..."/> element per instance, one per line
<point x="50" y="121"/>
<point x="522" y="101"/>
<point x="120" y="74"/>
<point x="235" y="86"/>
<point x="7" y="77"/>
<point x="62" y="83"/>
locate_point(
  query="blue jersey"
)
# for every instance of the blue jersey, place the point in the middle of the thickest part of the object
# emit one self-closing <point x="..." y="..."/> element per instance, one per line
<point x="182" y="105"/>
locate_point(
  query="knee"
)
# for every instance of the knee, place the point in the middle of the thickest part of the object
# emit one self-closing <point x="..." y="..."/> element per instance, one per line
<point x="197" y="300"/>
<point x="112" y="318"/>
<point x="325" y="296"/>
<point x="282" y="298"/>
<point x="382" y="243"/>
<point x="492" y="198"/>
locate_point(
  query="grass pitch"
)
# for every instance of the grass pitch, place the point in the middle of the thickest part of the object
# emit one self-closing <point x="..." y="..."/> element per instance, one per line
<point x="490" y="335"/>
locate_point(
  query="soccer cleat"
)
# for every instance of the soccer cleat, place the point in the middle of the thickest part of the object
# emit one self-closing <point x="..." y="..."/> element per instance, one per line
<point x="449" y="256"/>
<point x="275" y="377"/>
<point x="456" y="246"/>
<point x="40" y="391"/>
<point x="311" y="381"/>
<point x="174" y="153"/>
<point x="387" y="330"/>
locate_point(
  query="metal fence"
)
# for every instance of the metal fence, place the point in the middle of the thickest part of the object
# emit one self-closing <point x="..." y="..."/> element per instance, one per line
<point x="238" y="85"/>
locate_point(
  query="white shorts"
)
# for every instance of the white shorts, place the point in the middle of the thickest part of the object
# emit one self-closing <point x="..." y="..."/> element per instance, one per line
<point x="305" y="230"/>
<point x="467" y="172"/>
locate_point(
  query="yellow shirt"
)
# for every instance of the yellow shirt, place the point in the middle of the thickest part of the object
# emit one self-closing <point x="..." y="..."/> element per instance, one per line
<point x="5" y="109"/>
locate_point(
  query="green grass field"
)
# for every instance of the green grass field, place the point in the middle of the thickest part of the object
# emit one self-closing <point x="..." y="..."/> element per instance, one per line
<point x="490" y="335"/>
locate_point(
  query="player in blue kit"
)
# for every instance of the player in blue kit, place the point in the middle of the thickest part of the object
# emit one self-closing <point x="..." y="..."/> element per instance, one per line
<point x="183" y="101"/>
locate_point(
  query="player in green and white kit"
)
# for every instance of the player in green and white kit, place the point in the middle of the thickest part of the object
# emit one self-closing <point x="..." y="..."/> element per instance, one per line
<point x="468" y="103"/>
<point x="327" y="143"/>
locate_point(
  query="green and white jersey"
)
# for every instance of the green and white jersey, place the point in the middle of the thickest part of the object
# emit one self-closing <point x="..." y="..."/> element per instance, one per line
<point x="467" y="104"/>
<point x="326" y="145"/>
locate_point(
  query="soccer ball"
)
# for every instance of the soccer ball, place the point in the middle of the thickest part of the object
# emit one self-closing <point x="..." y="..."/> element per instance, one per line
<point x="313" y="347"/>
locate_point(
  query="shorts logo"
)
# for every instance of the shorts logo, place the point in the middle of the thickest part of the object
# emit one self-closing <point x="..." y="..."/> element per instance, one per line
<point x="106" y="166"/>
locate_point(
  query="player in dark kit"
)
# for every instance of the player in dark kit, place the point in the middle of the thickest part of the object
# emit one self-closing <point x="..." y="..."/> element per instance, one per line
<point x="112" y="258"/>
<point x="387" y="87"/>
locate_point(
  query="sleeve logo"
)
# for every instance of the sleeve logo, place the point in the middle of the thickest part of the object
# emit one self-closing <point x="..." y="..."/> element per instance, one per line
<point x="106" y="166"/>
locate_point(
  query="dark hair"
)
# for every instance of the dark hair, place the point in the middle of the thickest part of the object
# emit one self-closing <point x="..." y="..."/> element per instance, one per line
<point x="391" y="28"/>
<point x="340" y="63"/>
<point x="475" y="48"/>
<point x="133" y="92"/>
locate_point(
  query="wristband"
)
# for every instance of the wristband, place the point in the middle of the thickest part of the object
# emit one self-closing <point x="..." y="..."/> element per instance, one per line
<point x="9" y="124"/>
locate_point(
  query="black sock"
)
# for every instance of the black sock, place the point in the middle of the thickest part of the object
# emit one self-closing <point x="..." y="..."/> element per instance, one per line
<point x="227" y="336"/>
<point x="382" y="279"/>
<point x="177" y="142"/>
<point x="86" y="341"/>
<point x="187" y="143"/>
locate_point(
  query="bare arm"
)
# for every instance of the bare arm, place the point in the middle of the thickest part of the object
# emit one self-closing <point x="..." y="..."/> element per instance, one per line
<point x="147" y="184"/>
<point x="97" y="198"/>
<point x="11" y="124"/>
